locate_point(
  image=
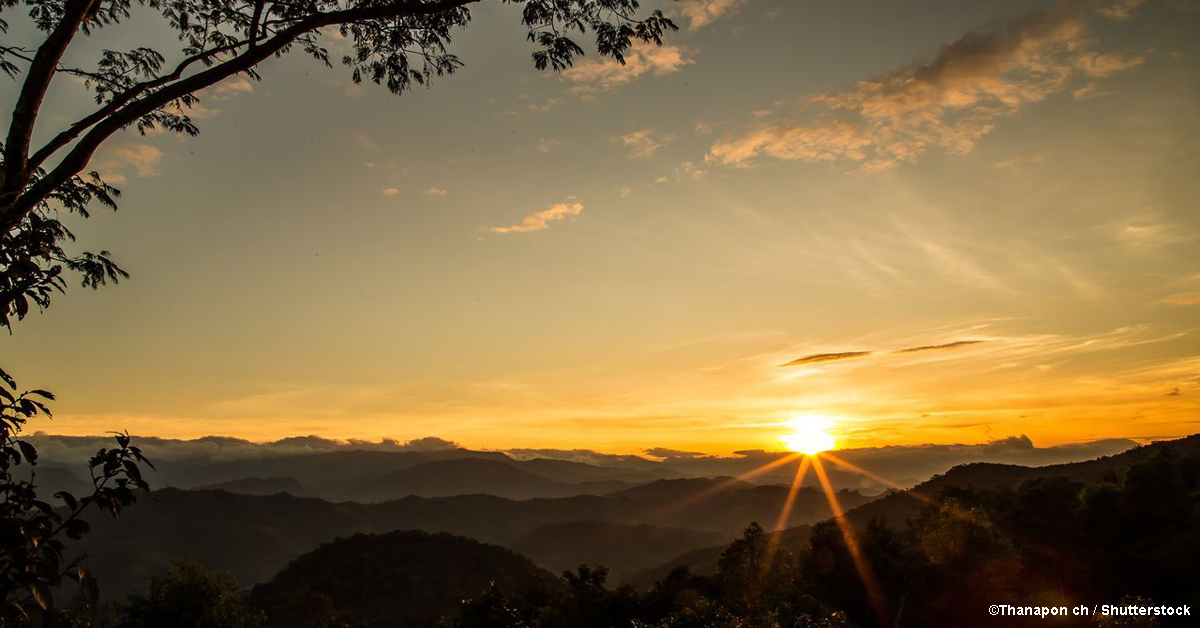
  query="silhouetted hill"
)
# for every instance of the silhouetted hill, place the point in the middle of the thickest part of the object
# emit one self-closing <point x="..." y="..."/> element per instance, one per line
<point x="255" y="536"/>
<point x="371" y="476"/>
<point x="898" y="506"/>
<point x="617" y="546"/>
<point x="399" y="580"/>
<point x="570" y="471"/>
<point x="676" y="489"/>
<point x="465" y="476"/>
<point x="703" y="561"/>
<point x="261" y="486"/>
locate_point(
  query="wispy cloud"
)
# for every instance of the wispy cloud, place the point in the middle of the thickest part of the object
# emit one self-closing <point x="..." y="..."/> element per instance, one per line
<point x="1120" y="10"/>
<point x="538" y="221"/>
<point x="700" y="13"/>
<point x="642" y="144"/>
<point x="948" y="102"/>
<point x="363" y="140"/>
<point x="958" y="344"/>
<point x="1182" y="299"/>
<point x="231" y="87"/>
<point x="597" y="75"/>
<point x="116" y="159"/>
<point x="434" y="191"/>
<point x="390" y="191"/>
<point x="826" y="357"/>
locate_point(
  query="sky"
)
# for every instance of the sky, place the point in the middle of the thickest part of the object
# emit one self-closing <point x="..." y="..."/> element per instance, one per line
<point x="930" y="221"/>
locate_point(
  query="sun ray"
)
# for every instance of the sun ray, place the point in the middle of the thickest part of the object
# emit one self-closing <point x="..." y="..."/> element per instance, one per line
<point x="801" y="471"/>
<point x="865" y="574"/>
<point x="712" y="490"/>
<point x="777" y="533"/>
<point x="875" y="476"/>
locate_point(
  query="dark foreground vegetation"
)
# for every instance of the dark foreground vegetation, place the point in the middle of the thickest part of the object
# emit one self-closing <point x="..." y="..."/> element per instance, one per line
<point x="1129" y="531"/>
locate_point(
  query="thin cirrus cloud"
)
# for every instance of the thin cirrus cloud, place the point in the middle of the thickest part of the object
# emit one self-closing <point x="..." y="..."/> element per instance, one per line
<point x="538" y="221"/>
<point x="958" y="344"/>
<point x="949" y="102"/>
<point x="826" y="357"/>
<point x="590" y="77"/>
<point x="701" y="13"/>
<point x="817" y="358"/>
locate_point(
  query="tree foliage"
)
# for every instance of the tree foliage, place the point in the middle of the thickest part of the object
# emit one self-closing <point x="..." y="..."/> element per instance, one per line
<point x="33" y="530"/>
<point x="190" y="596"/>
<point x="399" y="44"/>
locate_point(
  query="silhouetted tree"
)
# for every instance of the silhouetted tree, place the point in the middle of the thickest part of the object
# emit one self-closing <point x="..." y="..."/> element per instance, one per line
<point x="190" y="596"/>
<point x="395" y="43"/>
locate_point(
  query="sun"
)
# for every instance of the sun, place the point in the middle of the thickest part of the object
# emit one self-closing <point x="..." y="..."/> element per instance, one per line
<point x="810" y="435"/>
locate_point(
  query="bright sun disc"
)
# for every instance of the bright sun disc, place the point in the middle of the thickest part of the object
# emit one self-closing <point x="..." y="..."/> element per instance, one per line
<point x="810" y="435"/>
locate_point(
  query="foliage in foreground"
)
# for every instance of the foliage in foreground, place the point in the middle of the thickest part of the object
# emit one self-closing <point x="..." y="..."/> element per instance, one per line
<point x="33" y="530"/>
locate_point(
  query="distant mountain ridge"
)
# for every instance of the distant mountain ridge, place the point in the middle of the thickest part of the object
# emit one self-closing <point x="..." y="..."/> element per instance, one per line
<point x="255" y="536"/>
<point x="261" y="486"/>
<point x="376" y="476"/>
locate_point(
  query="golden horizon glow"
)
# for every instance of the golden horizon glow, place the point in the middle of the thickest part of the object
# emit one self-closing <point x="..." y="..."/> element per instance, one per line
<point x="811" y="434"/>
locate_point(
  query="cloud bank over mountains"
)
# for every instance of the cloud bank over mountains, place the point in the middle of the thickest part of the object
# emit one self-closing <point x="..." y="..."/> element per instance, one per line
<point x="902" y="464"/>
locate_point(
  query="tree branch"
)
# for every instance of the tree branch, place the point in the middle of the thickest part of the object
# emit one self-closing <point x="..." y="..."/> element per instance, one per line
<point x="77" y="159"/>
<point x="73" y="131"/>
<point x="33" y="91"/>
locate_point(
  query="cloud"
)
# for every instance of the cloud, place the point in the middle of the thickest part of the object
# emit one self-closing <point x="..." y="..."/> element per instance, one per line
<point x="73" y="449"/>
<point x="1017" y="164"/>
<point x="232" y="87"/>
<point x="826" y="357"/>
<point x="688" y="170"/>
<point x="143" y="159"/>
<point x="544" y="106"/>
<point x="642" y="143"/>
<point x="949" y="345"/>
<point x="434" y="191"/>
<point x="545" y="145"/>
<point x="390" y="191"/>
<point x="429" y="443"/>
<point x="948" y="102"/>
<point x="666" y="452"/>
<point x="592" y="76"/>
<point x="1120" y="10"/>
<point x="700" y="13"/>
<point x="624" y="192"/>
<point x="1182" y="299"/>
<point x="541" y="220"/>
<point x="364" y="141"/>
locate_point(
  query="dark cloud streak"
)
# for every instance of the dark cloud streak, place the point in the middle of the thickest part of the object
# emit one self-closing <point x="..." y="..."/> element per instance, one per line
<point x="949" y="345"/>
<point x="826" y="357"/>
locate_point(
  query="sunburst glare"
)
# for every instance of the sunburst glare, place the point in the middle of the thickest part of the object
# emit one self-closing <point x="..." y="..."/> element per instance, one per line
<point x="811" y="434"/>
